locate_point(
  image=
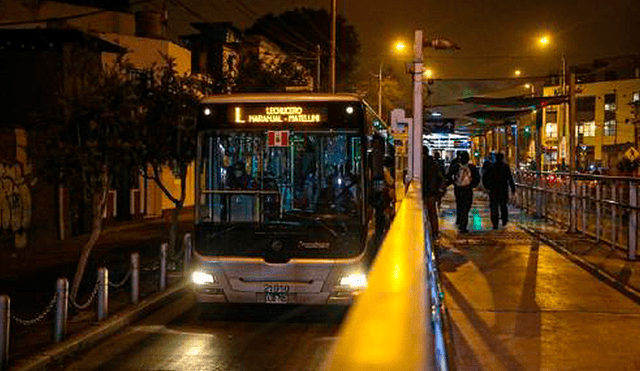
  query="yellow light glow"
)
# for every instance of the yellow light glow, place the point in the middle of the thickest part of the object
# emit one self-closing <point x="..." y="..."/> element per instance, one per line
<point x="528" y="86"/>
<point x="544" y="40"/>
<point x="428" y="73"/>
<point x="518" y="72"/>
<point x="400" y="46"/>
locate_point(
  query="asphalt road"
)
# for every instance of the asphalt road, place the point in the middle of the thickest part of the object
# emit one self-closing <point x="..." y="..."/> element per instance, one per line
<point x="183" y="336"/>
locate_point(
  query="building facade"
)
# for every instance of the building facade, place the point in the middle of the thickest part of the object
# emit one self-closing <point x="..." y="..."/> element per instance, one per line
<point x="40" y="43"/>
<point x="606" y="123"/>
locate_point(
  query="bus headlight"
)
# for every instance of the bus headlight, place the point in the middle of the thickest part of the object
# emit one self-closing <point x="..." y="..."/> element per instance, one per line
<point x="201" y="278"/>
<point x="355" y="281"/>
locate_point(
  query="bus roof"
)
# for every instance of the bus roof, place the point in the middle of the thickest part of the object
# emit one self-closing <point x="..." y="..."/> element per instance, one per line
<point x="280" y="98"/>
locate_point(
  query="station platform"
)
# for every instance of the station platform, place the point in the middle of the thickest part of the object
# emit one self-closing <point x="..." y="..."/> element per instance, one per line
<point x="530" y="296"/>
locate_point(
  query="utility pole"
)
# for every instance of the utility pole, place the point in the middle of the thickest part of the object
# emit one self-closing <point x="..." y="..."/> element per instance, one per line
<point x="538" y="141"/>
<point x="565" y="109"/>
<point x="333" y="44"/>
<point x="572" y="151"/>
<point x="318" y="61"/>
<point x="415" y="154"/>
<point x="380" y="90"/>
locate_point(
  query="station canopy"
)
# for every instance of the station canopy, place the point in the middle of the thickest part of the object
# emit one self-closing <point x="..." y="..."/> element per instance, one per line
<point x="517" y="102"/>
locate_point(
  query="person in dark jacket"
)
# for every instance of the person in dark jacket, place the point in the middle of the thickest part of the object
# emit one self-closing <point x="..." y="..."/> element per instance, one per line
<point x="432" y="180"/>
<point x="498" y="180"/>
<point x="465" y="177"/>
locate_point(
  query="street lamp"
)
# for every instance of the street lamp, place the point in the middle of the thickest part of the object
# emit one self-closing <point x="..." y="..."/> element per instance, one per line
<point x="517" y="73"/>
<point x="415" y="131"/>
<point x="398" y="47"/>
<point x="544" y="41"/>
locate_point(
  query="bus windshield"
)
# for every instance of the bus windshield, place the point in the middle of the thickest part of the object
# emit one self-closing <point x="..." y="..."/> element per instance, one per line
<point x="281" y="178"/>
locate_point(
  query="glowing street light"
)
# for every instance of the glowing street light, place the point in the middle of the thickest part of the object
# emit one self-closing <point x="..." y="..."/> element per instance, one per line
<point x="544" y="40"/>
<point x="518" y="73"/>
<point x="400" y="46"/>
<point x="428" y="73"/>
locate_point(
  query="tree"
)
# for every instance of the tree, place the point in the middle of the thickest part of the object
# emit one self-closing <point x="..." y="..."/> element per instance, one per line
<point x="393" y="94"/>
<point x="298" y="32"/>
<point x="92" y="135"/>
<point x="169" y="104"/>
<point x="260" y="76"/>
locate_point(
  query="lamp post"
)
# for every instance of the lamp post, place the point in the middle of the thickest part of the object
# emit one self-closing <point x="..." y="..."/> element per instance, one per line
<point x="398" y="47"/>
<point x="568" y="123"/>
<point x="415" y="130"/>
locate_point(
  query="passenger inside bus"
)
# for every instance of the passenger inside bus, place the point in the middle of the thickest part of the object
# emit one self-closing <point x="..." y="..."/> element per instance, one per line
<point x="238" y="177"/>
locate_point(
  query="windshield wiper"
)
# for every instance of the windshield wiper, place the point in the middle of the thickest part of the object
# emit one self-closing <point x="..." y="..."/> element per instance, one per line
<point x="317" y="220"/>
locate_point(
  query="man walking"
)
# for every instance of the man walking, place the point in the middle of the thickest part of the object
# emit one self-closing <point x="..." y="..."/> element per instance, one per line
<point x="465" y="177"/>
<point x="498" y="181"/>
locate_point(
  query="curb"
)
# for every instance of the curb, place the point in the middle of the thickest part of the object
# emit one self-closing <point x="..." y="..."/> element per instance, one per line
<point x="88" y="338"/>
<point x="629" y="291"/>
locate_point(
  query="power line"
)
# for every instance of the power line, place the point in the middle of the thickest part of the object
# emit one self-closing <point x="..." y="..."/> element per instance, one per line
<point x="189" y="10"/>
<point x="74" y="16"/>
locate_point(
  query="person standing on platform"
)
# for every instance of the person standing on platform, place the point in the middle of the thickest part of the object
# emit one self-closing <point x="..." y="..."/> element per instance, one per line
<point x="432" y="180"/>
<point x="465" y="177"/>
<point x="498" y="181"/>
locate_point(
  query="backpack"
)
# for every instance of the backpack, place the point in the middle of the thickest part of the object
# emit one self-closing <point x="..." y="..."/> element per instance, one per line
<point x="463" y="177"/>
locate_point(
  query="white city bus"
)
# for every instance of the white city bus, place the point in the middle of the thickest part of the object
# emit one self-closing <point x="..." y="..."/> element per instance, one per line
<point x="286" y="186"/>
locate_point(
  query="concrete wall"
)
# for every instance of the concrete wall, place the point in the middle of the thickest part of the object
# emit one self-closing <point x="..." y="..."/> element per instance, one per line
<point x="146" y="52"/>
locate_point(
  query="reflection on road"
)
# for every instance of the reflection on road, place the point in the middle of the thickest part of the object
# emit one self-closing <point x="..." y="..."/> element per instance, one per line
<point x="220" y="338"/>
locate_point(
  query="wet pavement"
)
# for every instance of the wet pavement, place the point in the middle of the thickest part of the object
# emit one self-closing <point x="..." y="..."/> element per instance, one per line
<point x="230" y="338"/>
<point x="525" y="297"/>
<point x="517" y="303"/>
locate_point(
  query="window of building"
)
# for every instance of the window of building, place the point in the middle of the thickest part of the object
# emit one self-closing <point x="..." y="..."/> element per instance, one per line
<point x="552" y="130"/>
<point x="610" y="124"/>
<point x="636" y="96"/>
<point x="586" y="116"/>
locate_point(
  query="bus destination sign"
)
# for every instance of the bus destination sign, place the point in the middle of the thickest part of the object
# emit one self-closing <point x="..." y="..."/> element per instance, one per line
<point x="289" y="114"/>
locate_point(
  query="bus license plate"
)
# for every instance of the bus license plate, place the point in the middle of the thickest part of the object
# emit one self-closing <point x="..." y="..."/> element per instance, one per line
<point x="276" y="294"/>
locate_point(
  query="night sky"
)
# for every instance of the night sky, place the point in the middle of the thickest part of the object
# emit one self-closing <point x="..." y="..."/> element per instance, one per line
<point x="497" y="37"/>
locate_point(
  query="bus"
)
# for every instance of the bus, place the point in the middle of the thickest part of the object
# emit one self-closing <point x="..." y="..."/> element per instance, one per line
<point x="288" y="187"/>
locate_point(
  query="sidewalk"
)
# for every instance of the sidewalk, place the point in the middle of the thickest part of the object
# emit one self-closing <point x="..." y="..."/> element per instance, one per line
<point x="58" y="255"/>
<point x="531" y="297"/>
<point x="600" y="259"/>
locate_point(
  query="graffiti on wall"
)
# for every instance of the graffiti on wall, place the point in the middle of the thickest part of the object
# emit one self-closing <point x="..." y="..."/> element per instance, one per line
<point x="15" y="202"/>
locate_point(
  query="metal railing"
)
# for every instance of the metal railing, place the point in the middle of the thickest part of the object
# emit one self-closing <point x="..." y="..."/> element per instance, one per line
<point x="61" y="300"/>
<point x="396" y="324"/>
<point x="602" y="207"/>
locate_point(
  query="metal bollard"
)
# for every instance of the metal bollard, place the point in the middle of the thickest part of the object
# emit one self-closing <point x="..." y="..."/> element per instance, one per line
<point x="584" y="208"/>
<point x="135" y="277"/>
<point x="633" y="221"/>
<point x="614" y="209"/>
<point x="5" y="318"/>
<point x="62" y="310"/>
<point x="103" y="293"/>
<point x="598" y="212"/>
<point x="572" y="207"/>
<point x="188" y="248"/>
<point x="163" y="266"/>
